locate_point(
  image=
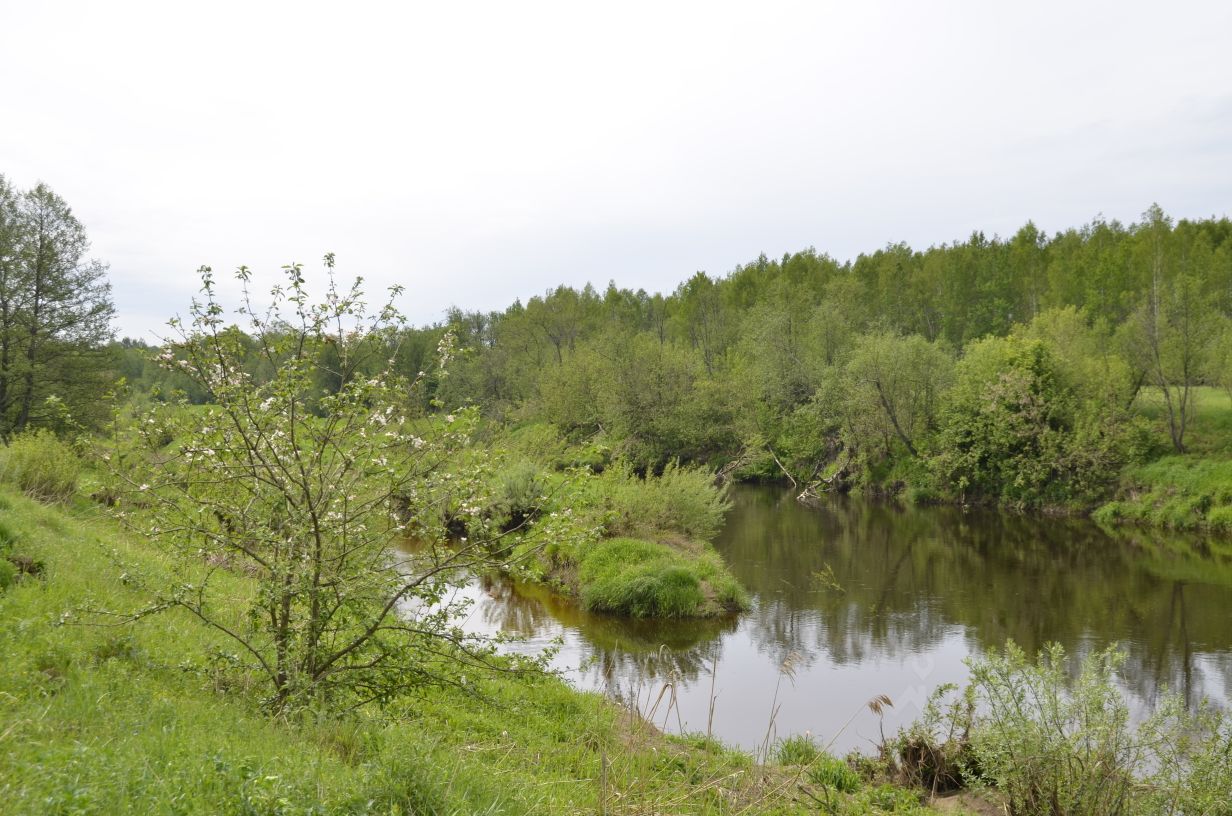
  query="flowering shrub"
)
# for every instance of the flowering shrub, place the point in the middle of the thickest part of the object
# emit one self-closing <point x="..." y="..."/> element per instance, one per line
<point x="304" y="478"/>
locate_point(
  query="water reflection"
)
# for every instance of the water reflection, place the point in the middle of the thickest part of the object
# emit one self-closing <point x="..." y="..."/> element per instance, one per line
<point x="870" y="598"/>
<point x="613" y="649"/>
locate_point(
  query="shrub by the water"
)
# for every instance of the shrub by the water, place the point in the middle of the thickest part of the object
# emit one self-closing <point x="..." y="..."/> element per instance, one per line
<point x="1046" y="742"/>
<point x="682" y="500"/>
<point x="42" y="466"/>
<point x="518" y="494"/>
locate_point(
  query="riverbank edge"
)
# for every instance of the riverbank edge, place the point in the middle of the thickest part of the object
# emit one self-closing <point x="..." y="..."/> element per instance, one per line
<point x="1182" y="492"/>
<point x="133" y="718"/>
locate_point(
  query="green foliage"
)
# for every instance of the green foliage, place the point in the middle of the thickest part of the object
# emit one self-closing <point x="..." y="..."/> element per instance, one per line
<point x="682" y="500"/>
<point x="1014" y="430"/>
<point x="619" y="542"/>
<point x="1047" y="741"/>
<point x="1085" y="355"/>
<point x="569" y="394"/>
<point x="1004" y="422"/>
<point x="1209" y="433"/>
<point x="41" y="465"/>
<point x="9" y="573"/>
<point x="842" y="376"/>
<point x="1048" y="750"/>
<point x="1171" y="338"/>
<point x="840" y="788"/>
<point x="888" y="799"/>
<point x="307" y="489"/>
<point x="800" y="749"/>
<point x="832" y="772"/>
<point x="934" y="752"/>
<point x="658" y="400"/>
<point x="55" y="316"/>
<point x="891" y="390"/>
<point x="647" y="589"/>
<point x="7" y="535"/>
<point x="1179" y="492"/>
<point x="646" y="579"/>
<point x="519" y="495"/>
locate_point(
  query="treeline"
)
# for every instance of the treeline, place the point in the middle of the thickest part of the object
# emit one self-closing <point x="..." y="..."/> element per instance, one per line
<point x="991" y="369"/>
<point x="998" y="369"/>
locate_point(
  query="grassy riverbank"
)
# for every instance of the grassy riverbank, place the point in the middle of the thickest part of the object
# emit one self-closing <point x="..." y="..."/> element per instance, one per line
<point x="138" y="719"/>
<point x="1177" y="492"/>
<point x="1189" y="491"/>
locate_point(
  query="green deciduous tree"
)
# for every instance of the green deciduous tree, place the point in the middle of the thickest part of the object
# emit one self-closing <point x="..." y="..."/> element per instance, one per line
<point x="1173" y="337"/>
<point x="1015" y="429"/>
<point x="307" y="493"/>
<point x="895" y="384"/>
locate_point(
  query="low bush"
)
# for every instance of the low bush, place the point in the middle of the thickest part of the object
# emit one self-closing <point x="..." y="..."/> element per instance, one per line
<point x="1047" y="742"/>
<point x="683" y="500"/>
<point x="518" y="494"/>
<point x="42" y="466"/>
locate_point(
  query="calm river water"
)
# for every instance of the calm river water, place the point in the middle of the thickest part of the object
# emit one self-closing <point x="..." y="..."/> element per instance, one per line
<point x="864" y="598"/>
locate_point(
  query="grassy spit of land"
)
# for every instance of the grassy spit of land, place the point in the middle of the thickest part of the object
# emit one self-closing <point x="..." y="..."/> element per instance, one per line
<point x="615" y="541"/>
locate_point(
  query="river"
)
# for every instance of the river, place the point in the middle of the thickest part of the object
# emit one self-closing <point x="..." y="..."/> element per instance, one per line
<point x="855" y="598"/>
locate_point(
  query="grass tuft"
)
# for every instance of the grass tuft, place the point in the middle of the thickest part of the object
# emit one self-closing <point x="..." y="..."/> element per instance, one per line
<point x="647" y="579"/>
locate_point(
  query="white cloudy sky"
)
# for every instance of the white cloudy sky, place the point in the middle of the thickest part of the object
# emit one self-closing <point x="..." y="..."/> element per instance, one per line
<point x="478" y="152"/>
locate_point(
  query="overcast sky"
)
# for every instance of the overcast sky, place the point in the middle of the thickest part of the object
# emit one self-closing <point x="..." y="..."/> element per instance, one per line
<point x="480" y="152"/>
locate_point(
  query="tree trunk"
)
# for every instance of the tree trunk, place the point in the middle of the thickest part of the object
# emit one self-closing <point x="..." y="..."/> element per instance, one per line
<point x="885" y="404"/>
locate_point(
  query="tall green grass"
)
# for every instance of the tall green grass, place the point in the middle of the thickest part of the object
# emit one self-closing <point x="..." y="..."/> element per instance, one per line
<point x="1178" y="492"/>
<point x="682" y="501"/>
<point x="646" y="579"/>
<point x="41" y="465"/>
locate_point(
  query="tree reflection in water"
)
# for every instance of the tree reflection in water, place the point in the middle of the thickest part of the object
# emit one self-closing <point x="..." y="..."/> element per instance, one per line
<point x="875" y="597"/>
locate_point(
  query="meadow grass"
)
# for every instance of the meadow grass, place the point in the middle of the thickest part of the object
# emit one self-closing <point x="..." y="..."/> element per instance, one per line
<point x="133" y="718"/>
<point x="1184" y="492"/>
<point x="647" y="579"/>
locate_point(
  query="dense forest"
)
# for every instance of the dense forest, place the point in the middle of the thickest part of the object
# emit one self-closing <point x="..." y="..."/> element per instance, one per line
<point x="1006" y="370"/>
